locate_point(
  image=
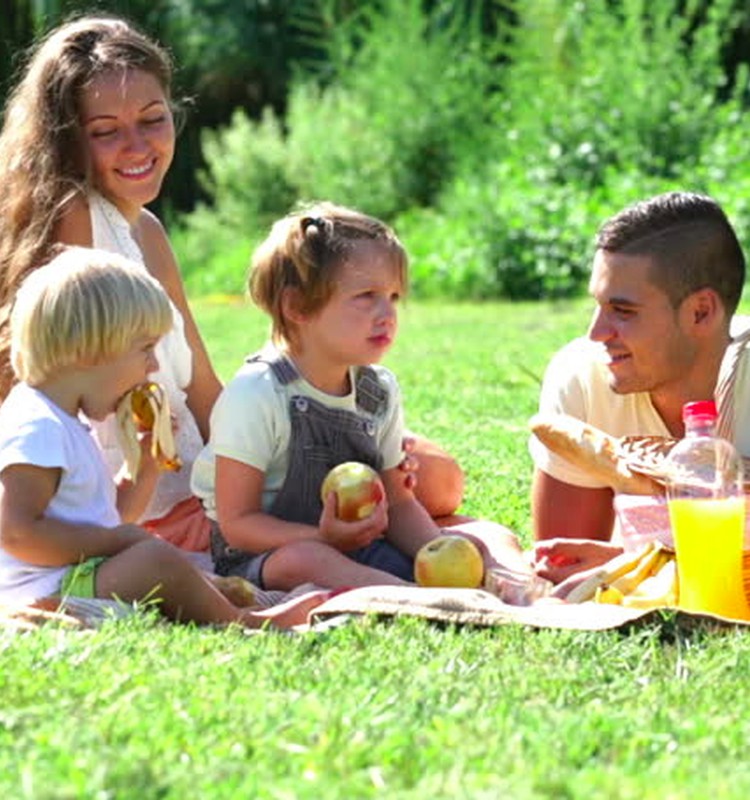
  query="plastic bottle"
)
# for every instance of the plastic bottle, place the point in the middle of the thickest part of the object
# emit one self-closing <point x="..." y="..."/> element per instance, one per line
<point x="707" y="514"/>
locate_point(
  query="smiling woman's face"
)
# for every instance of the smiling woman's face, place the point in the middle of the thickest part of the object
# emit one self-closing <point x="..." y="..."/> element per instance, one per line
<point x="129" y="135"/>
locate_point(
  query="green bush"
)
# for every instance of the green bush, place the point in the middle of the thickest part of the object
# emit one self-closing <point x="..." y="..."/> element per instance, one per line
<point x="515" y="234"/>
<point x="402" y="116"/>
<point x="594" y="85"/>
<point x="387" y="133"/>
<point x="246" y="177"/>
<point x="722" y="169"/>
<point x="213" y="260"/>
<point x="496" y="164"/>
<point x="248" y="171"/>
<point x="444" y="252"/>
<point x="601" y="104"/>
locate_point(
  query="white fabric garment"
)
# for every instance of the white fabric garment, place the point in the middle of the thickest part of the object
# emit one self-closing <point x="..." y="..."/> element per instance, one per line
<point x="35" y="431"/>
<point x="111" y="231"/>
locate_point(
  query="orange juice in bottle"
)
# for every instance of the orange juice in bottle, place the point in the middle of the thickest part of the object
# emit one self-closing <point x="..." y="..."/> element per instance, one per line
<point x="707" y="515"/>
<point x="710" y="582"/>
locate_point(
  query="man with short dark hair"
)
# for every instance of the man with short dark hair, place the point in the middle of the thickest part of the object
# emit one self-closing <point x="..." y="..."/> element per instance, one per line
<point x="667" y="277"/>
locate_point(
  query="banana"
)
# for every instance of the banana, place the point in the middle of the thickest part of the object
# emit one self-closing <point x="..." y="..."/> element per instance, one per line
<point x="236" y="589"/>
<point x="127" y="438"/>
<point x="649" y="565"/>
<point x="645" y="579"/>
<point x="608" y="573"/>
<point x="659" y="590"/>
<point x="608" y="594"/>
<point x="146" y="406"/>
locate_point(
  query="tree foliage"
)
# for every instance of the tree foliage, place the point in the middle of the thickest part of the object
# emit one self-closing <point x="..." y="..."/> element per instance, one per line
<point x="230" y="54"/>
<point x="496" y="134"/>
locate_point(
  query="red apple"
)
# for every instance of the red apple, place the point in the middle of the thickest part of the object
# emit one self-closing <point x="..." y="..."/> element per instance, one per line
<point x="358" y="490"/>
<point x="449" y="560"/>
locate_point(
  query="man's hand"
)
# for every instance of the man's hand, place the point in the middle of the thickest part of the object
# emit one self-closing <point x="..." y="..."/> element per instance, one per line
<point x="558" y="559"/>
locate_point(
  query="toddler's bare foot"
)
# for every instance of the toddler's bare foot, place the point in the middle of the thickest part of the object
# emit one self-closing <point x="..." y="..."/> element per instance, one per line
<point x="288" y="614"/>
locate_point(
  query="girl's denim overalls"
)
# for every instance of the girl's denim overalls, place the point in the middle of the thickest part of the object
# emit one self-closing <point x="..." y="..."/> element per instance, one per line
<point x="321" y="438"/>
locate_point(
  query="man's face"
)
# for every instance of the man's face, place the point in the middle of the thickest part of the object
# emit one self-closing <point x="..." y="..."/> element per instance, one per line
<point x="647" y="341"/>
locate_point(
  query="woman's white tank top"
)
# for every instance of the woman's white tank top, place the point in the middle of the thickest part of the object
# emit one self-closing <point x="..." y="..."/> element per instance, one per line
<point x="111" y="231"/>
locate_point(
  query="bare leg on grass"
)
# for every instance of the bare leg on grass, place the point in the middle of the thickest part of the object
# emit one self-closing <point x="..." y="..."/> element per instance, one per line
<point x="153" y="569"/>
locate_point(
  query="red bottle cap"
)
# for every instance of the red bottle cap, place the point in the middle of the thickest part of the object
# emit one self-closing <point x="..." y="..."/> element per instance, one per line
<point x="700" y="410"/>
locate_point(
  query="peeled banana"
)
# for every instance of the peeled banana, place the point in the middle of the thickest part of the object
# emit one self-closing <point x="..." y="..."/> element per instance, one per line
<point x="649" y="565"/>
<point x="146" y="406"/>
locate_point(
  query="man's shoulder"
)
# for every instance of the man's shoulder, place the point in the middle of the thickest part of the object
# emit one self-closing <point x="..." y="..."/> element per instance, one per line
<point x="739" y="325"/>
<point x="579" y="363"/>
<point x="580" y="349"/>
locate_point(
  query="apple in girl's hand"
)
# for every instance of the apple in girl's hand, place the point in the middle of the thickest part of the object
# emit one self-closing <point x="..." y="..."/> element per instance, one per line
<point x="449" y="560"/>
<point x="358" y="490"/>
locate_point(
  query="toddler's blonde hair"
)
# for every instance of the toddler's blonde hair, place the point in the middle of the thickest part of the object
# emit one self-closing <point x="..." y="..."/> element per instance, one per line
<point x="84" y="307"/>
<point x="305" y="251"/>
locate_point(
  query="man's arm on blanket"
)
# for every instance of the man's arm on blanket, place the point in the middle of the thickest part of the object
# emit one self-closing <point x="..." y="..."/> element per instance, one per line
<point x="563" y="510"/>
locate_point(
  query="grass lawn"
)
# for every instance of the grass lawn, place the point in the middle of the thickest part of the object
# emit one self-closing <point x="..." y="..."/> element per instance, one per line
<point x="399" y="709"/>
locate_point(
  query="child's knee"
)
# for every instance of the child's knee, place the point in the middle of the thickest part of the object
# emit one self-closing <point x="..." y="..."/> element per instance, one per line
<point x="158" y="553"/>
<point x="291" y="564"/>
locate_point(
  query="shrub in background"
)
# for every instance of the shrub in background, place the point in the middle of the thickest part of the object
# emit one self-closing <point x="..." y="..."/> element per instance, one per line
<point x="601" y="104"/>
<point x="386" y="131"/>
<point x="595" y="85"/>
<point x="518" y="240"/>
<point x="404" y="112"/>
<point x="513" y="236"/>
<point x="246" y="177"/>
<point x="496" y="165"/>
<point x="723" y="168"/>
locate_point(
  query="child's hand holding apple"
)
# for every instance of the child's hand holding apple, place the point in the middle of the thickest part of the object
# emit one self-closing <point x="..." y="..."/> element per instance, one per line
<point x="355" y="509"/>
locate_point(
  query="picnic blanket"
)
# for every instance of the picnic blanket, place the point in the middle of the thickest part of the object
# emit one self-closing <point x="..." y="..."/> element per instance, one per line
<point x="75" y="613"/>
<point x="481" y="608"/>
<point x="475" y="607"/>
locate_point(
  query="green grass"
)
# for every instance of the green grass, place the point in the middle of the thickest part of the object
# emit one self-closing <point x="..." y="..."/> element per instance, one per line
<point x="399" y="709"/>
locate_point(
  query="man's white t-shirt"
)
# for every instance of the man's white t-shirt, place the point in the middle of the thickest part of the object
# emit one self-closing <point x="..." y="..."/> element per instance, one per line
<point x="35" y="431"/>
